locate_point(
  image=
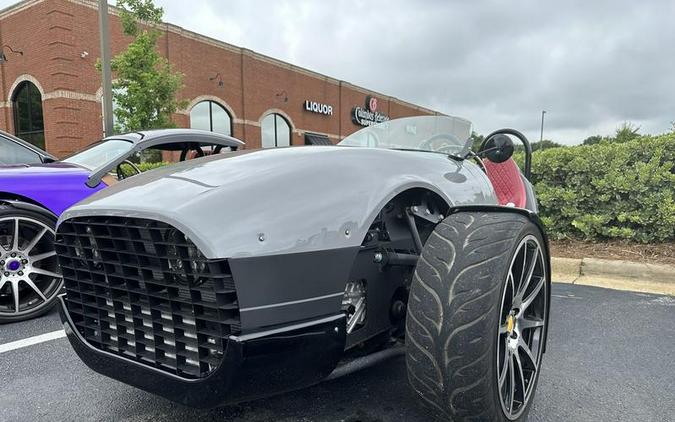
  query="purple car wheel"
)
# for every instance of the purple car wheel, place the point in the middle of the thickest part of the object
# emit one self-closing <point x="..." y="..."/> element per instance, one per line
<point x="29" y="275"/>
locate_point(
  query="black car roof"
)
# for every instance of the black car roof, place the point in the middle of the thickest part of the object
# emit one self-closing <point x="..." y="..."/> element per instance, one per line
<point x="27" y="145"/>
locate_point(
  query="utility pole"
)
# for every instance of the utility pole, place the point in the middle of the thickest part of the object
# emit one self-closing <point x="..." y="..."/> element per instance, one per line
<point x="104" y="35"/>
<point x="541" y="136"/>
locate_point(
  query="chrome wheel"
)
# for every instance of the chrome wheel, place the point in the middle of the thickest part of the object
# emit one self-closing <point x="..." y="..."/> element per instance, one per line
<point x="520" y="337"/>
<point x="29" y="276"/>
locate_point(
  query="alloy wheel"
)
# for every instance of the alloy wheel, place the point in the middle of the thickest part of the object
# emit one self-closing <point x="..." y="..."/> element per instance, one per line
<point x="29" y="275"/>
<point x="520" y="338"/>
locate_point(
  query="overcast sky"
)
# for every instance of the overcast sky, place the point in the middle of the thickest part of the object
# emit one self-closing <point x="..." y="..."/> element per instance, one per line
<point x="590" y="64"/>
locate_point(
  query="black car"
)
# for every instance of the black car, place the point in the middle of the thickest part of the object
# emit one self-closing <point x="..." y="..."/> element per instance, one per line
<point x="16" y="151"/>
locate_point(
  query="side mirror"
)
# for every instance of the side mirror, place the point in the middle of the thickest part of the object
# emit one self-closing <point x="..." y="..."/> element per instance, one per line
<point x="499" y="148"/>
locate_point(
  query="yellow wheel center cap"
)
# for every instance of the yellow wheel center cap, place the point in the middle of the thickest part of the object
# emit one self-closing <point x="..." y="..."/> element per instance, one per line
<point x="509" y="324"/>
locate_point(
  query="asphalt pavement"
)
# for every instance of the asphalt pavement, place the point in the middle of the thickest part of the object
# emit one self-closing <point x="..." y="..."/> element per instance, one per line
<point x="611" y="357"/>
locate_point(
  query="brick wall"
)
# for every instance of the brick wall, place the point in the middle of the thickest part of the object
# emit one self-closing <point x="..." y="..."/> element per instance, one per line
<point x="54" y="33"/>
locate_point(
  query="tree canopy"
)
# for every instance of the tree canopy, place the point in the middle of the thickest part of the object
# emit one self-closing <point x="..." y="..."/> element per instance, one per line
<point x="145" y="85"/>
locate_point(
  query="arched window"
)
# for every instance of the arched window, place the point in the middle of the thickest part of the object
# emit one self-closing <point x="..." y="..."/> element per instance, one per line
<point x="211" y="116"/>
<point x="28" y="121"/>
<point x="276" y="132"/>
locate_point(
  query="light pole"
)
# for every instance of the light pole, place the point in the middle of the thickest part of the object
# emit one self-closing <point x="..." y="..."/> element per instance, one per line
<point x="541" y="135"/>
<point x="104" y="34"/>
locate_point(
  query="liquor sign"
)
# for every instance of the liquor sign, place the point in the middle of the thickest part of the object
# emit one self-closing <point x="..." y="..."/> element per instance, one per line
<point x="368" y="115"/>
<point x="319" y="108"/>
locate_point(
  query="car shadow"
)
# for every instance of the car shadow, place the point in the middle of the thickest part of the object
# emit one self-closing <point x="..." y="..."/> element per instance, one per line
<point x="377" y="394"/>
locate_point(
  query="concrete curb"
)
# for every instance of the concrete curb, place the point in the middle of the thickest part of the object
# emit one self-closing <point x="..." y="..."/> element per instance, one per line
<point x="614" y="274"/>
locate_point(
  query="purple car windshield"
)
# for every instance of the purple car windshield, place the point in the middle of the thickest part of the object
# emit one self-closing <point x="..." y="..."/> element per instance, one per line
<point x="100" y="153"/>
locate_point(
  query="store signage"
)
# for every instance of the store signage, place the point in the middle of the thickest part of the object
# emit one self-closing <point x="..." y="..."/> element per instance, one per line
<point x="369" y="115"/>
<point x="315" y="107"/>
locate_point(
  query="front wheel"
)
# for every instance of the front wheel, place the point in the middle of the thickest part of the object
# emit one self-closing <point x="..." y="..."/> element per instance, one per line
<point x="29" y="273"/>
<point x="477" y="317"/>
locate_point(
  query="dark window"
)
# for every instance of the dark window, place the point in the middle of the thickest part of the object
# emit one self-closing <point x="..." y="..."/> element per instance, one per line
<point x="276" y="132"/>
<point x="211" y="116"/>
<point x="13" y="153"/>
<point x="316" y="139"/>
<point x="28" y="122"/>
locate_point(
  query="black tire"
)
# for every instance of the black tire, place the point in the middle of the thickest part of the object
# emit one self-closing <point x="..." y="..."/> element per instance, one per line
<point x="455" y="333"/>
<point x="31" y="223"/>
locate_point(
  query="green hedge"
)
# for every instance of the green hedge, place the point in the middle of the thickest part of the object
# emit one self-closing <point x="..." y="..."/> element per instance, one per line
<point x="609" y="190"/>
<point x="150" y="166"/>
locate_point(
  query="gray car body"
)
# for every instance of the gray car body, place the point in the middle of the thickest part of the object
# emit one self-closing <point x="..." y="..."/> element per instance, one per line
<point x="296" y="199"/>
<point x="290" y="220"/>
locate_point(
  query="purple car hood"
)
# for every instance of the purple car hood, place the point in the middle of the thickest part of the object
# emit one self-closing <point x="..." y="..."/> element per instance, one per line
<point x="55" y="186"/>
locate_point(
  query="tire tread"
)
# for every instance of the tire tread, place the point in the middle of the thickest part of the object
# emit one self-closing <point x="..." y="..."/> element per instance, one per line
<point x="456" y="286"/>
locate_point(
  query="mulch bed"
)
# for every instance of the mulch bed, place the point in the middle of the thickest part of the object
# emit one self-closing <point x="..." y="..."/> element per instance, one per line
<point x="661" y="253"/>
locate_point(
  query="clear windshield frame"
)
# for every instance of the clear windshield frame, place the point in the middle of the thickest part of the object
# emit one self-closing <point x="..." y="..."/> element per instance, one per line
<point x="100" y="153"/>
<point x="441" y="134"/>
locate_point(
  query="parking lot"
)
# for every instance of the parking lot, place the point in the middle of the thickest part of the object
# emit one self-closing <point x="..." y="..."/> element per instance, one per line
<point x="611" y="356"/>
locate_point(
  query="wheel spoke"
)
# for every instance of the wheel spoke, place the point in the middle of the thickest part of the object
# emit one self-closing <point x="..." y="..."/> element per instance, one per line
<point x="35" y="288"/>
<point x="527" y="323"/>
<point x="40" y="257"/>
<point x="15" y="239"/>
<point x="45" y="272"/>
<point x="522" y="271"/>
<point x="15" y="294"/>
<point x="521" y="378"/>
<point x="513" y="285"/>
<point x="505" y="366"/>
<point x="525" y="282"/>
<point x="528" y="352"/>
<point x="512" y="379"/>
<point x="528" y="301"/>
<point x="35" y="240"/>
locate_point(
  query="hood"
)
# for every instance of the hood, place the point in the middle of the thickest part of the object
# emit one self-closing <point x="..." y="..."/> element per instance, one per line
<point x="297" y="199"/>
<point x="41" y="169"/>
<point x="55" y="186"/>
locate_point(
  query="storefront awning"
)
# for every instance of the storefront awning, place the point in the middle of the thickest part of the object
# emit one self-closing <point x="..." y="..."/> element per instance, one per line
<point x="316" y="139"/>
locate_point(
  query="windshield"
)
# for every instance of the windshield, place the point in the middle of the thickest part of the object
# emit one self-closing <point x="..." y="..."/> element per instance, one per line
<point x="100" y="153"/>
<point x="449" y="135"/>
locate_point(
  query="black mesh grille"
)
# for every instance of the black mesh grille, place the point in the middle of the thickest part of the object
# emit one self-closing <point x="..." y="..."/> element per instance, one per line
<point x="140" y="289"/>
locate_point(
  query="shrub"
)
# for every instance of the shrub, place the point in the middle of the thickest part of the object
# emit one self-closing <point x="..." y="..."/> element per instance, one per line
<point x="149" y="166"/>
<point x="608" y="190"/>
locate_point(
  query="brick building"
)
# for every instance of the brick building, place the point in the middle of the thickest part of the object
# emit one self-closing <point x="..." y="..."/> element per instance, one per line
<point x="50" y="92"/>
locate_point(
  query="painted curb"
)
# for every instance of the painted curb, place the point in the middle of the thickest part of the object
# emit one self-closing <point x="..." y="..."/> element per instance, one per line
<point x="615" y="274"/>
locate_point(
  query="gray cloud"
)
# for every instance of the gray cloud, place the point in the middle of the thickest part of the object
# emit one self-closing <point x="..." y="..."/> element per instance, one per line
<point x="591" y="65"/>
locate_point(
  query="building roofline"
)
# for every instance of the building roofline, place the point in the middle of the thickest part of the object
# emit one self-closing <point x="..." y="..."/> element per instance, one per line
<point x="179" y="30"/>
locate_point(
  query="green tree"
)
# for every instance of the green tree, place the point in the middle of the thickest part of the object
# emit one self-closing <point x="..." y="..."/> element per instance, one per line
<point x="145" y="87"/>
<point x="592" y="140"/>
<point x="476" y="141"/>
<point x="626" y="133"/>
<point x="545" y="144"/>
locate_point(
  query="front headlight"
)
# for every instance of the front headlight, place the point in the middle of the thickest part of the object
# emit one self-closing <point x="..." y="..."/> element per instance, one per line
<point x="186" y="261"/>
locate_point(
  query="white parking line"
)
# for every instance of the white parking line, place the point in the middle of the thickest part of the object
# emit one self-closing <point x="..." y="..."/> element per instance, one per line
<point x="7" y="347"/>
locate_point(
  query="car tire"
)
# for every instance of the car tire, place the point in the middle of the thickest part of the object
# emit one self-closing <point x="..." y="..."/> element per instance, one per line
<point x="29" y="266"/>
<point x="465" y="335"/>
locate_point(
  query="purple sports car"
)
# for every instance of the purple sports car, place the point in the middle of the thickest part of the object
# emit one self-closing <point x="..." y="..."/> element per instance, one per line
<point x="33" y="196"/>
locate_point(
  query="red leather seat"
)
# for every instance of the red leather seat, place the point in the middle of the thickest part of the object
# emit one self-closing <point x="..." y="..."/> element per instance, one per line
<point x="507" y="182"/>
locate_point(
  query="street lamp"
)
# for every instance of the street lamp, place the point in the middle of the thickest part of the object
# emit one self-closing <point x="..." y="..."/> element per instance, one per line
<point x="541" y="135"/>
<point x="3" y="58"/>
<point x="104" y="35"/>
